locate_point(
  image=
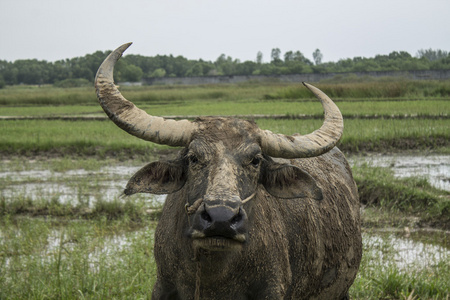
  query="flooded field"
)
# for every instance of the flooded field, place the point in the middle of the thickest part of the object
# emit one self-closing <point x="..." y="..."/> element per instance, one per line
<point x="103" y="248"/>
<point x="78" y="186"/>
<point x="407" y="250"/>
<point x="435" y="168"/>
<point x="74" y="186"/>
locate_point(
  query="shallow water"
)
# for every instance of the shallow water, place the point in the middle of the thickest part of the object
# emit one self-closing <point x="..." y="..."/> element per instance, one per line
<point x="435" y="168"/>
<point x="387" y="247"/>
<point x="73" y="186"/>
<point x="407" y="250"/>
<point x="404" y="249"/>
<point x="107" y="183"/>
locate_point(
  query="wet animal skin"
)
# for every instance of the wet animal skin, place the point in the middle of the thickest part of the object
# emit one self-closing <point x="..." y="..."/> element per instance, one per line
<point x="249" y="214"/>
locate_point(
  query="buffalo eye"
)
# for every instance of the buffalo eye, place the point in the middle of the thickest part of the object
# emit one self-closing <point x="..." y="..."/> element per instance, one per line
<point x="256" y="161"/>
<point x="193" y="159"/>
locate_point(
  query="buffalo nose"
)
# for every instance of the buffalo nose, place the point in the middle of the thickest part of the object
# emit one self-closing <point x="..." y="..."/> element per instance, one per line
<point x="222" y="221"/>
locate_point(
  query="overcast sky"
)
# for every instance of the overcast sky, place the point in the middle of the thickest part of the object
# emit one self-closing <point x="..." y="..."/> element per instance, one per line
<point x="57" y="29"/>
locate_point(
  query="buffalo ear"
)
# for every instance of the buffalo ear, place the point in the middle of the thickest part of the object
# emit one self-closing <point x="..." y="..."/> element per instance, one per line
<point x="157" y="178"/>
<point x="287" y="181"/>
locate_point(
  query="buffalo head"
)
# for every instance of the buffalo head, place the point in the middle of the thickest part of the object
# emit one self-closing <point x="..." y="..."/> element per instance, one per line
<point x="223" y="164"/>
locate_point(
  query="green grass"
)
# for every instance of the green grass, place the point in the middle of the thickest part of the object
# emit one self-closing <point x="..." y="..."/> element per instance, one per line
<point x="380" y="277"/>
<point x="312" y="108"/>
<point x="375" y="135"/>
<point x="60" y="137"/>
<point x="103" y="138"/>
<point x="100" y="259"/>
<point x="49" y="111"/>
<point x="51" y="206"/>
<point x="45" y="95"/>
<point x="48" y="95"/>
<point x="103" y="249"/>
<point x="91" y="248"/>
<point x="400" y="198"/>
<point x="400" y="89"/>
<point x="274" y="107"/>
<point x="397" y="89"/>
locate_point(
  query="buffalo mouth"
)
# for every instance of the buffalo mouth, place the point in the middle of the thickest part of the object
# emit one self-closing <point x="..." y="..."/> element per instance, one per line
<point x="219" y="243"/>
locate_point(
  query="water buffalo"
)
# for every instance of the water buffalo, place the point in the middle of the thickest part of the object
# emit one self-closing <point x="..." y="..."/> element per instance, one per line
<point x="250" y="214"/>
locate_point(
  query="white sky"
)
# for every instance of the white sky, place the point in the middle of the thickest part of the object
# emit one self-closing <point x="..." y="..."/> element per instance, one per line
<point x="59" y="29"/>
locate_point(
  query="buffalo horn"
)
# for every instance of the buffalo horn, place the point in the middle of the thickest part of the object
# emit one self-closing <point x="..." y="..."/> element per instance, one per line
<point x="310" y="145"/>
<point x="133" y="120"/>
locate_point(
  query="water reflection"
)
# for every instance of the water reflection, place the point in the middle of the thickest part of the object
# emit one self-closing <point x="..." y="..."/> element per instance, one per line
<point x="385" y="247"/>
<point x="406" y="252"/>
<point x="435" y="168"/>
<point x="71" y="187"/>
<point x="86" y="187"/>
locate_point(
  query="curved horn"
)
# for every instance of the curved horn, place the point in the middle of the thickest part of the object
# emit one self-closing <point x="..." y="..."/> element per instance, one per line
<point x="133" y="120"/>
<point x="313" y="144"/>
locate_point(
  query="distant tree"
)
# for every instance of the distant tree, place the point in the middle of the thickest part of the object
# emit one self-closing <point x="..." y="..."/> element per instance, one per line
<point x="269" y="69"/>
<point x="82" y="71"/>
<point x="160" y="72"/>
<point x="180" y="65"/>
<point x="441" y="64"/>
<point x="259" y="58"/>
<point x="399" y="55"/>
<point x="288" y="56"/>
<point x="225" y="65"/>
<point x="298" y="56"/>
<point x="207" y="67"/>
<point x="246" y="68"/>
<point x="222" y="59"/>
<point x="130" y="73"/>
<point x="2" y="82"/>
<point x="317" y="55"/>
<point x="196" y="70"/>
<point x="275" y="55"/>
<point x="79" y="70"/>
<point x="432" y="55"/>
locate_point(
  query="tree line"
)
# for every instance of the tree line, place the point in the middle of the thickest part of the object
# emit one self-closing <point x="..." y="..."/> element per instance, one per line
<point x="81" y="70"/>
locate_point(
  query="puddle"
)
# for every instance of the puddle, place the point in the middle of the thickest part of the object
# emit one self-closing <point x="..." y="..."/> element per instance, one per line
<point x="435" y="168"/>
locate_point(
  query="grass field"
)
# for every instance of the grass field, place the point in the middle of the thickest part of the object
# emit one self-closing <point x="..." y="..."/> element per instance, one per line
<point x="432" y="108"/>
<point x="102" y="137"/>
<point x="89" y="248"/>
<point x="98" y="249"/>
<point x="394" y="89"/>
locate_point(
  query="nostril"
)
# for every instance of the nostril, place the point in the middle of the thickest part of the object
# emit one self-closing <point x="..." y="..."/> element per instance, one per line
<point x="205" y="216"/>
<point x="237" y="218"/>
